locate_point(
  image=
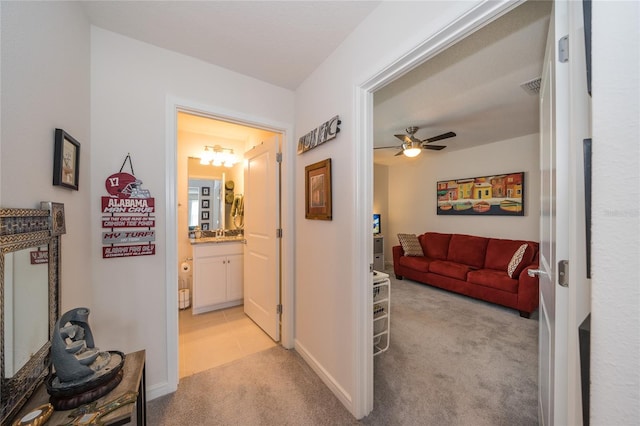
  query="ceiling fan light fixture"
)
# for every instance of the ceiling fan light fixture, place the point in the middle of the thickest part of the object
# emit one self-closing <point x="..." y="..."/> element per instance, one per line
<point x="412" y="149"/>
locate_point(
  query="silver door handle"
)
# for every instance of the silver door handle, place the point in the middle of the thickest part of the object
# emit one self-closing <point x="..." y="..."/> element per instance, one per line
<point x="534" y="272"/>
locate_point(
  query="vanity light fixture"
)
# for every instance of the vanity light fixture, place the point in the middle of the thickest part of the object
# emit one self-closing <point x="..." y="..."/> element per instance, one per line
<point x="218" y="156"/>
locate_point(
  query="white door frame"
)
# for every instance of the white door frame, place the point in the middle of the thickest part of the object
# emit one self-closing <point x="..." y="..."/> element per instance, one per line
<point x="173" y="105"/>
<point x="466" y="24"/>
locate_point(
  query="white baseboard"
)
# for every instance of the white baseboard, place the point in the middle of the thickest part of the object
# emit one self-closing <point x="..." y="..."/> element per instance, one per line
<point x="161" y="389"/>
<point x="324" y="375"/>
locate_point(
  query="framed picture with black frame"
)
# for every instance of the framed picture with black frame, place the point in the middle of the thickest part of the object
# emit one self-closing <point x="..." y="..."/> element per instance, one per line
<point x="66" y="160"/>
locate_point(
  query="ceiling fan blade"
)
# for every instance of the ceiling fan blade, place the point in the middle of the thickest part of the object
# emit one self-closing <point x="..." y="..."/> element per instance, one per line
<point x="440" y="137"/>
<point x="404" y="138"/>
<point x="434" y="147"/>
<point x="386" y="147"/>
<point x="399" y="152"/>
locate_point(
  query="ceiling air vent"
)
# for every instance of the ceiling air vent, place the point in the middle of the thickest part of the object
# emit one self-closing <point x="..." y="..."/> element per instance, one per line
<point x="532" y="87"/>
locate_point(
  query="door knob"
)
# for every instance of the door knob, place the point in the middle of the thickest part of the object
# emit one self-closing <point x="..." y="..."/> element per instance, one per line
<point x="534" y="272"/>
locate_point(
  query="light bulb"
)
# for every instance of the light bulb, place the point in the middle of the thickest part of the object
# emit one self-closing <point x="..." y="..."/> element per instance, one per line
<point x="411" y="152"/>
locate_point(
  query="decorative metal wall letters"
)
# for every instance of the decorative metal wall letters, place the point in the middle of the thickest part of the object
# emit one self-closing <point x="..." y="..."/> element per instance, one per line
<point x="323" y="133"/>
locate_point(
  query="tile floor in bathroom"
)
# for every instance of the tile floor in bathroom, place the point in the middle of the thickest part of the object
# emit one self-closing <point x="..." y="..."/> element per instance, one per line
<point x="218" y="337"/>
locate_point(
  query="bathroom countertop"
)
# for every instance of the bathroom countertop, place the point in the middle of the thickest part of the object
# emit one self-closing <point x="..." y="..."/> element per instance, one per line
<point x="217" y="240"/>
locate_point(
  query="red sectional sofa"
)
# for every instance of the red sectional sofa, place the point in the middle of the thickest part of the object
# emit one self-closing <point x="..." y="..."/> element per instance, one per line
<point x="474" y="266"/>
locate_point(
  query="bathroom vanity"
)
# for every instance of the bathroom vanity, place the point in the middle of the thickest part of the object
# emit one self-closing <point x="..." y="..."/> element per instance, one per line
<point x="217" y="273"/>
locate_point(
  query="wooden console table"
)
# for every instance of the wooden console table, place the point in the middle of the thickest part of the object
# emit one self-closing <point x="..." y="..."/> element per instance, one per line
<point x="133" y="380"/>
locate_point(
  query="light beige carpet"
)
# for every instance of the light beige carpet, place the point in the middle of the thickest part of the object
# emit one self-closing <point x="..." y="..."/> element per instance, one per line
<point x="452" y="361"/>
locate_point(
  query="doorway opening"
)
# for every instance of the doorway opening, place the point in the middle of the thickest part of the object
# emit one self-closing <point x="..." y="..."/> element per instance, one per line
<point x="213" y="328"/>
<point x="432" y="47"/>
<point x="253" y="129"/>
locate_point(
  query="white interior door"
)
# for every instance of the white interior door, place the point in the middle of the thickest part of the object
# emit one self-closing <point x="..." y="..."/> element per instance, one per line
<point x="554" y="224"/>
<point x="261" y="222"/>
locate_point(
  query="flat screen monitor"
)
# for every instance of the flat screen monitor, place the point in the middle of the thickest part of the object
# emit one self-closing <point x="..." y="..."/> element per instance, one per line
<point x="376" y="223"/>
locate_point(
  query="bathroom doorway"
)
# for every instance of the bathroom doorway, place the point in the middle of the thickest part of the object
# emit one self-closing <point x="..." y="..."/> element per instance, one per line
<point x="219" y="336"/>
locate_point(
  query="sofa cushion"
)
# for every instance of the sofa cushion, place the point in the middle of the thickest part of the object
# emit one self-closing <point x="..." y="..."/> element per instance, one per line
<point x="410" y="245"/>
<point x="500" y="253"/>
<point x="449" y="269"/>
<point x="415" y="262"/>
<point x="435" y="245"/>
<point x="494" y="279"/>
<point x="468" y="249"/>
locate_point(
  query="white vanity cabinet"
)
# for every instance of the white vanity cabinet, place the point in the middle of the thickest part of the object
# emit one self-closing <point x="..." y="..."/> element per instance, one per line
<point x="217" y="275"/>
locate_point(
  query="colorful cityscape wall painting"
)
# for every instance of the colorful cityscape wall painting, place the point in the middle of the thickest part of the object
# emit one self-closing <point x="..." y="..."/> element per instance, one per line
<point x="493" y="195"/>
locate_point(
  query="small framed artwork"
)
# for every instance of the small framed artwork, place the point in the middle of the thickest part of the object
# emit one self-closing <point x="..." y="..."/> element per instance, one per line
<point x="205" y="204"/>
<point x="317" y="194"/>
<point x="66" y="160"/>
<point x="204" y="215"/>
<point x="204" y="226"/>
<point x="205" y="191"/>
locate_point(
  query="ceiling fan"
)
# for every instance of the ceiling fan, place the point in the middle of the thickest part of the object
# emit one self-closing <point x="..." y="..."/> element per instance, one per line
<point x="412" y="146"/>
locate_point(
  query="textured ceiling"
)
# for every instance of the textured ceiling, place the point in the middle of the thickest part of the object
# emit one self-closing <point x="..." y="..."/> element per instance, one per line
<point x="280" y="42"/>
<point x="472" y="88"/>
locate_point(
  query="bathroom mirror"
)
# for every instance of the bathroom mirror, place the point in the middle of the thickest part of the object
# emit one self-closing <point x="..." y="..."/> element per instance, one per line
<point x="205" y="204"/>
<point x="29" y="275"/>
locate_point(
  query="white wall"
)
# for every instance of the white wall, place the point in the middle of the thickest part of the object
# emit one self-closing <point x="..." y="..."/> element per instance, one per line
<point x="45" y="85"/>
<point x="615" y="315"/>
<point x="412" y="191"/>
<point x="44" y="78"/>
<point x="412" y="205"/>
<point x="326" y="291"/>
<point x="129" y="88"/>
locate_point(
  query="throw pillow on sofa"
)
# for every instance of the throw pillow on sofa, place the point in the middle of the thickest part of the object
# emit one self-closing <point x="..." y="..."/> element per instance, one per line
<point x="516" y="260"/>
<point x="410" y="245"/>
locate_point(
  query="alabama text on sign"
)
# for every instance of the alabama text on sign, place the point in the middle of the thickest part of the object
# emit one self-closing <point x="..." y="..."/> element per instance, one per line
<point x="127" y="205"/>
<point x="128" y="222"/>
<point x="126" y="251"/>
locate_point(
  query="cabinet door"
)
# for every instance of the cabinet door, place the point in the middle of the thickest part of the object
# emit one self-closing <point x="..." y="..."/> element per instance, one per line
<point x="210" y="279"/>
<point x="235" y="273"/>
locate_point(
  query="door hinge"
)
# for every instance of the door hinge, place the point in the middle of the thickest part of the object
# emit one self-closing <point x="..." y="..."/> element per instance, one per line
<point x="279" y="308"/>
<point x="563" y="273"/>
<point x="279" y="157"/>
<point x="279" y="233"/>
<point x="563" y="49"/>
